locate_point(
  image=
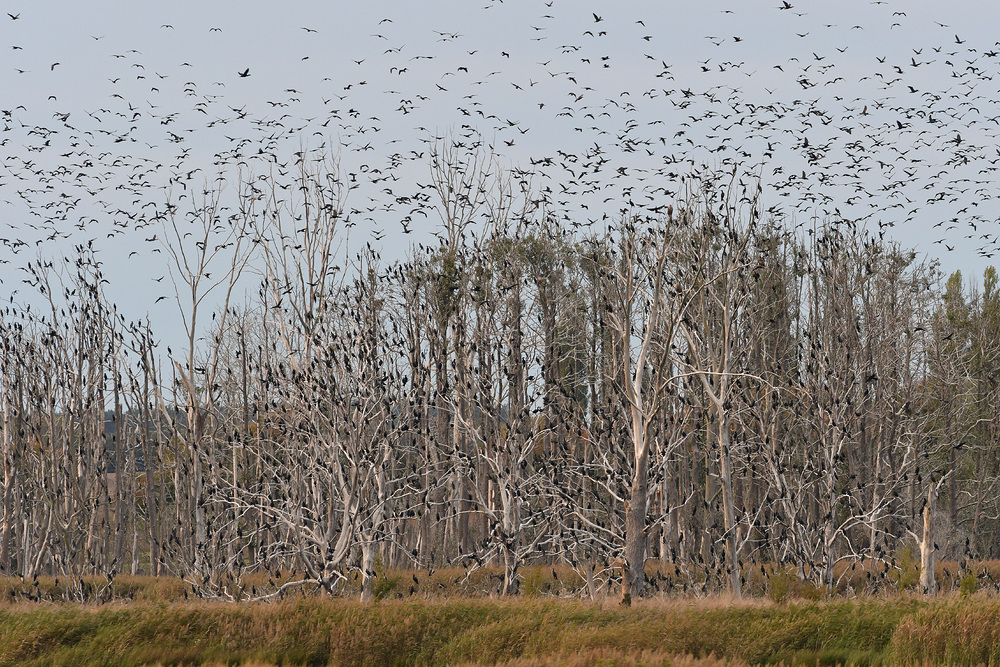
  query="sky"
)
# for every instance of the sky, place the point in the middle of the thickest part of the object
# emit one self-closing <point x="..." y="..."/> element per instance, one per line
<point x="884" y="113"/>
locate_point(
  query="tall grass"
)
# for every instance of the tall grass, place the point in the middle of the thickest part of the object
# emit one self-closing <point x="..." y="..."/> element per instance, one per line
<point x="316" y="631"/>
<point x="961" y="632"/>
<point x="443" y="618"/>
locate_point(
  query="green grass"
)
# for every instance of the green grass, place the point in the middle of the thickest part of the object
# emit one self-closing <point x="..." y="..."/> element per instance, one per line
<point x="525" y="632"/>
<point x="445" y="619"/>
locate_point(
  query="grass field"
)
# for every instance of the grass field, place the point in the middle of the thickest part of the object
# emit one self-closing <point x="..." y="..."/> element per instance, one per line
<point x="445" y="618"/>
<point x="524" y="631"/>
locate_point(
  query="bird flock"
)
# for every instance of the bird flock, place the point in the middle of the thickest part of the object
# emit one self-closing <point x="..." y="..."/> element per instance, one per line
<point x="634" y="162"/>
<point x="868" y="114"/>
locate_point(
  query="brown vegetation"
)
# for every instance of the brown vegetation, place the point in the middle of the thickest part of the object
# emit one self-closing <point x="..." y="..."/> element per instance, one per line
<point x="666" y="582"/>
<point x="308" y="630"/>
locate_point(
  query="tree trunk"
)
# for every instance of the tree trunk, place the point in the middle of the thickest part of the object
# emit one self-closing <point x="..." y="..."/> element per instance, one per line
<point x="634" y="579"/>
<point x="626" y="600"/>
<point x="729" y="509"/>
<point x="509" y="572"/>
<point x="591" y="586"/>
<point x="367" y="569"/>
<point x="927" y="582"/>
<point x="6" y="506"/>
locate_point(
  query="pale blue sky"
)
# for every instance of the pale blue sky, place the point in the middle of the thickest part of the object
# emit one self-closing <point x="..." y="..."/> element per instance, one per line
<point x="891" y="109"/>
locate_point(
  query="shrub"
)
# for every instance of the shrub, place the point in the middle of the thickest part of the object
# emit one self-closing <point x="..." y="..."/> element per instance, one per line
<point x="384" y="584"/>
<point x="969" y="584"/>
<point x="780" y="583"/>
<point x="907" y="572"/>
<point x="534" y="582"/>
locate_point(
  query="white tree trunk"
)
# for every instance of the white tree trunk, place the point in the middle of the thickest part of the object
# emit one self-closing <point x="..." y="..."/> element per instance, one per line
<point x="367" y="569"/>
<point x="729" y="507"/>
<point x="927" y="582"/>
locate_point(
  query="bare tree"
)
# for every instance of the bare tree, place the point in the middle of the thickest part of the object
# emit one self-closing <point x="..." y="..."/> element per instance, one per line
<point x="714" y="326"/>
<point x="219" y="244"/>
<point x="647" y="304"/>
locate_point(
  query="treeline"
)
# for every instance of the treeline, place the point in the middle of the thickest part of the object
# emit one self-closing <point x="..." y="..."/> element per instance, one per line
<point x="704" y="386"/>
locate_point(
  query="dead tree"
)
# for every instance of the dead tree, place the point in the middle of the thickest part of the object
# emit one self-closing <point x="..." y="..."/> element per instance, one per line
<point x="647" y="304"/>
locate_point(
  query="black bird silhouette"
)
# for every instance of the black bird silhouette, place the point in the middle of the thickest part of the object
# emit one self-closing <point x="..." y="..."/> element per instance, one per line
<point x="245" y="73"/>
